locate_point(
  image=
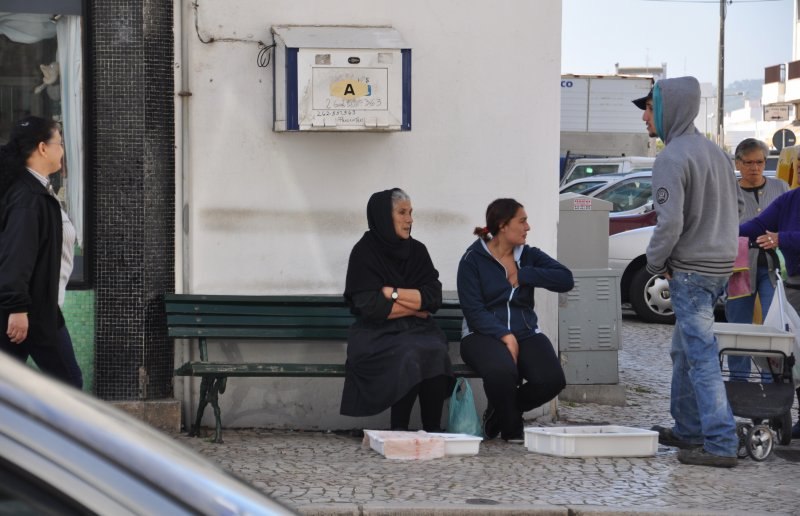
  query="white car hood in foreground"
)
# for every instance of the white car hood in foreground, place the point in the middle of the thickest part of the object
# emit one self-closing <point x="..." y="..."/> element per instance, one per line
<point x="82" y="440"/>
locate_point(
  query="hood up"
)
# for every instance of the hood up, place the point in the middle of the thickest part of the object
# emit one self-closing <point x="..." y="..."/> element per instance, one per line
<point x="676" y="103"/>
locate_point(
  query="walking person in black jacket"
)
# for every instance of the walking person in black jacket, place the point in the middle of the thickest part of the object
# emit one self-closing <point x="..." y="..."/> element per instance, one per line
<point x="31" y="234"/>
<point x="501" y="338"/>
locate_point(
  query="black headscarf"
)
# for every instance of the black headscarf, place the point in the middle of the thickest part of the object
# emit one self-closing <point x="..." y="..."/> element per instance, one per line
<point x="382" y="258"/>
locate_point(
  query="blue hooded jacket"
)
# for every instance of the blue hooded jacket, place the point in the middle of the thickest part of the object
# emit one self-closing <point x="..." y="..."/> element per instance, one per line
<point x="491" y="305"/>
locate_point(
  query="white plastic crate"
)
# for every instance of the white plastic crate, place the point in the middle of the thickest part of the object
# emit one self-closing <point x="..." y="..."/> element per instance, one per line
<point x="754" y="337"/>
<point x="592" y="441"/>
<point x="420" y="445"/>
<point x="460" y="444"/>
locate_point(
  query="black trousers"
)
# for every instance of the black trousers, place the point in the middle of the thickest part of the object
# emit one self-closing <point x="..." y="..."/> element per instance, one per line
<point x="57" y="361"/>
<point x="511" y="388"/>
<point x="432" y="393"/>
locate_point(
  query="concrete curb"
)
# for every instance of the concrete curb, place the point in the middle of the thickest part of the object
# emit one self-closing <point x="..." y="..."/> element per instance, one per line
<point x="428" y="509"/>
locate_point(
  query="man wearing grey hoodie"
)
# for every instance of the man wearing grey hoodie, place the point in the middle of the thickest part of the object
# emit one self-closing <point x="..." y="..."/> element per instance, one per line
<point x="694" y="245"/>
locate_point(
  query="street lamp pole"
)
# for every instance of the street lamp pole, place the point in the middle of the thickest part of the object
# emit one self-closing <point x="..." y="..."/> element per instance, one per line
<point x="721" y="76"/>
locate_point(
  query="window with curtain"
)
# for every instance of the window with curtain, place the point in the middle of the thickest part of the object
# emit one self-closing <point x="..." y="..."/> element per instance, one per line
<point x="41" y="58"/>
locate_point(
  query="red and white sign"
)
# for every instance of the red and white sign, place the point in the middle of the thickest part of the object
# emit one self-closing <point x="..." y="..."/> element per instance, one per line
<point x="582" y="204"/>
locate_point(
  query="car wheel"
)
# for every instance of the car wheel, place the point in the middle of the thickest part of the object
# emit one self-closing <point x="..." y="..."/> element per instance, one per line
<point x="649" y="296"/>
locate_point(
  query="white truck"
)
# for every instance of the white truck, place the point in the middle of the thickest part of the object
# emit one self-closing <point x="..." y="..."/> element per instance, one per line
<point x="598" y="118"/>
<point x="592" y="167"/>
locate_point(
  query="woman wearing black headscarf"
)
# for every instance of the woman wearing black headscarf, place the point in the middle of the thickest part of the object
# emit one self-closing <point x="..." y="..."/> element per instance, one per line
<point x="395" y="351"/>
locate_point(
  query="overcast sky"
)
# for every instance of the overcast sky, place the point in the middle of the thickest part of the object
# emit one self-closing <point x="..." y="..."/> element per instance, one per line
<point x="684" y="34"/>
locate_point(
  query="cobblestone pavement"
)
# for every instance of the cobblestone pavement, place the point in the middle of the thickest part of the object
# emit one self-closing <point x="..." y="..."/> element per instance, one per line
<point x="327" y="473"/>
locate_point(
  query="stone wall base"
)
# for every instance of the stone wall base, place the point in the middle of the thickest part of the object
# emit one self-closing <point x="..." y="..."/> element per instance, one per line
<point x="162" y="414"/>
<point x="601" y="394"/>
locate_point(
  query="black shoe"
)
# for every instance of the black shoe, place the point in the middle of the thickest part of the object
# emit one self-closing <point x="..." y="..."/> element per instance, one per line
<point x="700" y="457"/>
<point x="796" y="430"/>
<point x="516" y="437"/>
<point x="668" y="438"/>
<point x="491" y="426"/>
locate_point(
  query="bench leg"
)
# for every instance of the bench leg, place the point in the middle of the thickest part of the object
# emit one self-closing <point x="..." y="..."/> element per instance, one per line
<point x="217" y="388"/>
<point x="201" y="406"/>
<point x="210" y="389"/>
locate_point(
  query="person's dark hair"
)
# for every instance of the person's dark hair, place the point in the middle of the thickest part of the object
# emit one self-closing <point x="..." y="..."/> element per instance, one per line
<point x="498" y="213"/>
<point x="748" y="145"/>
<point x="25" y="137"/>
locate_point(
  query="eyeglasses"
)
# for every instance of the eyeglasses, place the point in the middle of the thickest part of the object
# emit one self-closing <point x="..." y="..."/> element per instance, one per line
<point x="55" y="143"/>
<point x="750" y="163"/>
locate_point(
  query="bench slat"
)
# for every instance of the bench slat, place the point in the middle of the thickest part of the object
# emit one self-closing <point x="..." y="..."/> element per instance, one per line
<point x="256" y="369"/>
<point x="279" y="370"/>
<point x="307" y="299"/>
<point x="259" y="333"/>
<point x="257" y="309"/>
<point x="187" y="320"/>
<point x="260" y="320"/>
<point x="191" y="332"/>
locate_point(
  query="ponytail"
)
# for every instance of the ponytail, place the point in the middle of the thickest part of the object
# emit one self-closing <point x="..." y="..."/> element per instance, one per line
<point x="11" y="166"/>
<point x="482" y="233"/>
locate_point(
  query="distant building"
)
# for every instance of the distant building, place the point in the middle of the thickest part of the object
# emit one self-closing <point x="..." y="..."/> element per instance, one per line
<point x="780" y="94"/>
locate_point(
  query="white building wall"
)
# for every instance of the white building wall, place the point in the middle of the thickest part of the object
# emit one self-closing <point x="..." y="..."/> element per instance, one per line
<point x="277" y="213"/>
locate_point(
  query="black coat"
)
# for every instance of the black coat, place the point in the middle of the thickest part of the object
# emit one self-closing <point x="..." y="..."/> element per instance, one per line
<point x="30" y="259"/>
<point x="386" y="358"/>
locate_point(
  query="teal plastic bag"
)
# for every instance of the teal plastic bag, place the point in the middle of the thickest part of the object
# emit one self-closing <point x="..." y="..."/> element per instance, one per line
<point x="463" y="418"/>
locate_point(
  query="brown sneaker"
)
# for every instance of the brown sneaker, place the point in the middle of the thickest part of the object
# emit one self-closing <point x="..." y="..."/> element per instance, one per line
<point x="700" y="457"/>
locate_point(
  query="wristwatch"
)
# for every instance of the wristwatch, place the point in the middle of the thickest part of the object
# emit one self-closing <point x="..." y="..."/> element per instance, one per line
<point x="395" y="295"/>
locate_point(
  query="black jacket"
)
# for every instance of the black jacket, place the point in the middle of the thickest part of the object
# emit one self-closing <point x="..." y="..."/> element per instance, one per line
<point x="30" y="259"/>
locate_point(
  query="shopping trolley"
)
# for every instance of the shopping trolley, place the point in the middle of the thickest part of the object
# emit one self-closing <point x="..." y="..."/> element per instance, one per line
<point x="766" y="395"/>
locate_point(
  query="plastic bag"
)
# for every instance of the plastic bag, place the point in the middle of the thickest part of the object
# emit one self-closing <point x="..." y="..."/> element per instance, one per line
<point x="463" y="418"/>
<point x="782" y="315"/>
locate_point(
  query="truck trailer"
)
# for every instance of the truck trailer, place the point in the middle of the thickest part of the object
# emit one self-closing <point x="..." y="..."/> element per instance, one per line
<point x="598" y="118"/>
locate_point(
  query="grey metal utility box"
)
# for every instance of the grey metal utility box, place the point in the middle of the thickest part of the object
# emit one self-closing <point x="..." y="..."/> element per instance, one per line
<point x="590" y="367"/>
<point x="589" y="315"/>
<point x="583" y="231"/>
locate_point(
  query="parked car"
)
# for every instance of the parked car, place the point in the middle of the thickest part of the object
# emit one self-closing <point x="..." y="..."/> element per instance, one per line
<point x="648" y="294"/>
<point x="65" y="452"/>
<point x="632" y="199"/>
<point x="593" y="167"/>
<point x="587" y="185"/>
<point x="629" y="235"/>
<point x="617" y="223"/>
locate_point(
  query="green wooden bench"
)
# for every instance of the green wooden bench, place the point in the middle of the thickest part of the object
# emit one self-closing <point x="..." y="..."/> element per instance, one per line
<point x="268" y="318"/>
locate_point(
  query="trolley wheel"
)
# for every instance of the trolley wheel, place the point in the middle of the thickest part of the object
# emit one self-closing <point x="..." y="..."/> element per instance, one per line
<point x="783" y="428"/>
<point x="742" y="429"/>
<point x="759" y="442"/>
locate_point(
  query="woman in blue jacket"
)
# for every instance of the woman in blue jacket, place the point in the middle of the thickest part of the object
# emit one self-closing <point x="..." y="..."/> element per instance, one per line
<point x="778" y="226"/>
<point x="501" y="339"/>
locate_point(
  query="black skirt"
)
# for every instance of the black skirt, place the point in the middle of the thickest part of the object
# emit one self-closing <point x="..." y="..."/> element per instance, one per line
<point x="386" y="360"/>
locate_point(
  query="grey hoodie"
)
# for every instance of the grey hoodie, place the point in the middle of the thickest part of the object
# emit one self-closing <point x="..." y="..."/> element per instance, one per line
<point x="697" y="198"/>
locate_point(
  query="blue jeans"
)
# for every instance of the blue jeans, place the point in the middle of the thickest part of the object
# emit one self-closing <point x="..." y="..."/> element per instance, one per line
<point x="740" y="310"/>
<point x="698" y="400"/>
